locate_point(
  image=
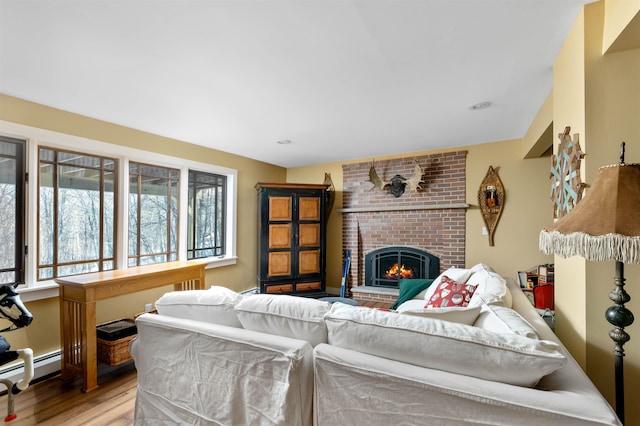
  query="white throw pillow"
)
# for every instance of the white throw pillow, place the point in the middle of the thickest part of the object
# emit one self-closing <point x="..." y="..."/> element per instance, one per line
<point x="491" y="288"/>
<point x="215" y="305"/>
<point x="284" y="315"/>
<point x="481" y="267"/>
<point x="466" y="315"/>
<point x="501" y="319"/>
<point x="443" y="345"/>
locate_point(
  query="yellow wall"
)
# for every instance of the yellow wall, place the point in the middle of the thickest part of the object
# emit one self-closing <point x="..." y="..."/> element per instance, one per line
<point x="539" y="136"/>
<point x="527" y="207"/>
<point x="598" y="95"/>
<point x="44" y="334"/>
<point x="568" y="110"/>
<point x="622" y="25"/>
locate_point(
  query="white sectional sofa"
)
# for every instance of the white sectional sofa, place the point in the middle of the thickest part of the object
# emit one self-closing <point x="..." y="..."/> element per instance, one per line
<point x="217" y="357"/>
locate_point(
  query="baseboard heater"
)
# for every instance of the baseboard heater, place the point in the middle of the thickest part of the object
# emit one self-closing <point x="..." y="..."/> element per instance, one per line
<point x="43" y="365"/>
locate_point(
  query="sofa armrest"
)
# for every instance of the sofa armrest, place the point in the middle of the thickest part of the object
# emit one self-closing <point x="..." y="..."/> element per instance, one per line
<point x="523" y="306"/>
<point x="192" y="372"/>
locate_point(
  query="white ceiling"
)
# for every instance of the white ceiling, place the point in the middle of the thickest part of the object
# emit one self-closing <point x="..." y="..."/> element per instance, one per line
<point x="340" y="79"/>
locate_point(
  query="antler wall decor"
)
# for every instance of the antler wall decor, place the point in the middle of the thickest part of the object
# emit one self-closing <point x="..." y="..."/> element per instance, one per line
<point x="398" y="183"/>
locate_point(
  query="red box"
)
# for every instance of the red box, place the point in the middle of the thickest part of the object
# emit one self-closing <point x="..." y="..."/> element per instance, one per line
<point x="543" y="296"/>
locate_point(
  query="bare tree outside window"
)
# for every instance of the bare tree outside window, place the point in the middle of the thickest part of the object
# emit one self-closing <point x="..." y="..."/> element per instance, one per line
<point x="206" y="224"/>
<point x="153" y="214"/>
<point x="12" y="210"/>
<point x="76" y="213"/>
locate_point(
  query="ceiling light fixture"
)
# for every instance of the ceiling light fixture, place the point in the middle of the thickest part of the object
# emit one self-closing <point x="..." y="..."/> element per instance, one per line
<point x="480" y="105"/>
<point x="284" y="142"/>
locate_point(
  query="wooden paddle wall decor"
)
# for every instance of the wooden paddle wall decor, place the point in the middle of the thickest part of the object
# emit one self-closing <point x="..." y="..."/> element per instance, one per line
<point x="491" y="201"/>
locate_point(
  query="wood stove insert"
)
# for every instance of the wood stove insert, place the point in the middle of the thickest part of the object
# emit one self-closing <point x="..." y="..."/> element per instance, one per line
<point x="385" y="267"/>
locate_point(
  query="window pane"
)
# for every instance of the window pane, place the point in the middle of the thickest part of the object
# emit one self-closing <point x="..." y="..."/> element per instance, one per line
<point x="173" y="208"/>
<point x="7" y="213"/>
<point x="81" y="268"/>
<point x="45" y="273"/>
<point x="78" y="216"/>
<point x="153" y="214"/>
<point x="45" y="208"/>
<point x="133" y="214"/>
<point x="109" y="220"/>
<point x="8" y="277"/>
<point x="77" y="213"/>
<point x="11" y="210"/>
<point x="206" y="215"/>
<point x="46" y="154"/>
<point x="154" y="204"/>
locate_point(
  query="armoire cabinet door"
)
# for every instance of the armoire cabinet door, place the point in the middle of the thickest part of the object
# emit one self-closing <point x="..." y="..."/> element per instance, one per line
<point x="292" y="233"/>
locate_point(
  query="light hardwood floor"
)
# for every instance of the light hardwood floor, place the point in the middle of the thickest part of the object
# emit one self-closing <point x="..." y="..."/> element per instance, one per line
<point x="56" y="402"/>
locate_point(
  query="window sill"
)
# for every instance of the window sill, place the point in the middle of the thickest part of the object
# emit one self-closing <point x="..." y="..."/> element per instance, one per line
<point x="43" y="290"/>
<point x="216" y="262"/>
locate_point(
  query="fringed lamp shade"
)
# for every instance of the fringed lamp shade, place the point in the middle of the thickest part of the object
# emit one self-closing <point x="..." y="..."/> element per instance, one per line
<point x="605" y="225"/>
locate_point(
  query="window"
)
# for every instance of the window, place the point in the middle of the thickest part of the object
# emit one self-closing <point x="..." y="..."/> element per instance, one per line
<point x="76" y="213"/>
<point x="12" y="191"/>
<point x="206" y="223"/>
<point x="153" y="214"/>
<point x="94" y="206"/>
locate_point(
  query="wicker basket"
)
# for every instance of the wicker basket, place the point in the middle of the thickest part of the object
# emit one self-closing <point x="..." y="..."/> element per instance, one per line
<point x="115" y="352"/>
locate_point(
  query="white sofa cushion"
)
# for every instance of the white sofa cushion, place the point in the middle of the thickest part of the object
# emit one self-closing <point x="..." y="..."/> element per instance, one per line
<point x="466" y="315"/>
<point x="491" y="287"/>
<point x="215" y="305"/>
<point x="501" y="319"/>
<point x="284" y="315"/>
<point x="432" y="343"/>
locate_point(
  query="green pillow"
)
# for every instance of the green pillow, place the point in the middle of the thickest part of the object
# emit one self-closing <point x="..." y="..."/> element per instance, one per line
<point x="409" y="288"/>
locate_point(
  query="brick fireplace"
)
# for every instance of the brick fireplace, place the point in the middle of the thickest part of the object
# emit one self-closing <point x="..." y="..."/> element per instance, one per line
<point x="431" y="219"/>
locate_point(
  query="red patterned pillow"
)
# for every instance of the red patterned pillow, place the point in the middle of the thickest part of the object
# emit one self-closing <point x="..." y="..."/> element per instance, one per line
<point x="451" y="294"/>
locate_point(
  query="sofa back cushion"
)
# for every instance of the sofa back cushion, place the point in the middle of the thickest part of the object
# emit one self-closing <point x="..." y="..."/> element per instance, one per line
<point x="284" y="315"/>
<point x="215" y="305"/>
<point x="466" y="315"/>
<point x="443" y="345"/>
<point x="501" y="319"/>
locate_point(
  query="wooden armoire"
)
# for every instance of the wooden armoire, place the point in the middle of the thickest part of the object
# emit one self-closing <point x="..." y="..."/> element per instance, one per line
<point x="292" y="238"/>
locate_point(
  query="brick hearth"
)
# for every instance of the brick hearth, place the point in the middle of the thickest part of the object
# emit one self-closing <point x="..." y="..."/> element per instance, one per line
<point x="431" y="219"/>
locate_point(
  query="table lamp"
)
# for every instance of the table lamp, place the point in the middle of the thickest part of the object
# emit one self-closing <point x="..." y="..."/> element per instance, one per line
<point x="605" y="225"/>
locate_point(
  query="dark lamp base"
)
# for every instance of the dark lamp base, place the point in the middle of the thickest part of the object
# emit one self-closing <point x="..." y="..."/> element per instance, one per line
<point x="619" y="316"/>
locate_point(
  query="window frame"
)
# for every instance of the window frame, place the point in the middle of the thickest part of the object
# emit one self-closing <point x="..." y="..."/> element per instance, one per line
<point x="36" y="138"/>
<point x="138" y="257"/>
<point x="21" y="191"/>
<point x="220" y="187"/>
<point x="56" y="165"/>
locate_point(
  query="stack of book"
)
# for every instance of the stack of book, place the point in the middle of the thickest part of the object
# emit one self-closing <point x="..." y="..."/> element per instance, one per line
<point x="545" y="274"/>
